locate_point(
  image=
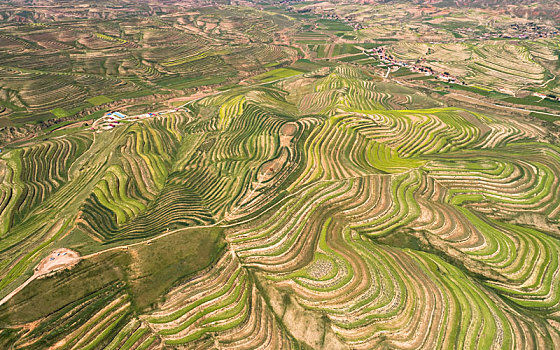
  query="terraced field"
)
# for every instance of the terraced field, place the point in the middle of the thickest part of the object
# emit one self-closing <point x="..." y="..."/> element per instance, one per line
<point x="63" y="70"/>
<point x="328" y="209"/>
<point x="506" y="67"/>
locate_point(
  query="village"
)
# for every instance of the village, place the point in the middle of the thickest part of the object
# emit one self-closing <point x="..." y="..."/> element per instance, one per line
<point x="112" y="119"/>
<point x="389" y="60"/>
<point x="529" y="30"/>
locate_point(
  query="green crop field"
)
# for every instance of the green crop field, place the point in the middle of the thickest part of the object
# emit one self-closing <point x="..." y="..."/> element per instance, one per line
<point x="301" y="175"/>
<point x="99" y="100"/>
<point x="277" y="74"/>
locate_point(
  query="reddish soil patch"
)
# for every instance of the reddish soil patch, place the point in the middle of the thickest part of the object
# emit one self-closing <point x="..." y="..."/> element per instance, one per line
<point x="287" y="133"/>
<point x="288" y="129"/>
<point x="269" y="169"/>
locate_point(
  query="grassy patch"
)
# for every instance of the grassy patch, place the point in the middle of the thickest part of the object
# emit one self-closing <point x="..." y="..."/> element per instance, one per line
<point x="307" y="66"/>
<point x="402" y="72"/>
<point x="331" y="25"/>
<point x="369" y="45"/>
<point x="424" y="77"/>
<point x="272" y="64"/>
<point x="311" y="42"/>
<point x="159" y="265"/>
<point x="353" y="58"/>
<point x="533" y="101"/>
<point x="60" y="112"/>
<point x="401" y="239"/>
<point x="277" y="74"/>
<point x="228" y="87"/>
<point x="44" y="296"/>
<point x="180" y="83"/>
<point x="10" y="105"/>
<point x="148" y="270"/>
<point x="474" y="89"/>
<point x="545" y="117"/>
<point x="99" y="100"/>
<point x="345" y="49"/>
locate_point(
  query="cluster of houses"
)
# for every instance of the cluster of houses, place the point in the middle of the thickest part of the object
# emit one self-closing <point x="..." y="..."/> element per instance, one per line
<point x="113" y="119"/>
<point x="350" y="20"/>
<point x="109" y="120"/>
<point x="414" y="67"/>
<point x="352" y="23"/>
<point x="529" y="30"/>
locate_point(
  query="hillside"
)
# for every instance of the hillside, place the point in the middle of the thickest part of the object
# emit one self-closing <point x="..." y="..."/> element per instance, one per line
<point x="279" y="175"/>
<point x="331" y="199"/>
